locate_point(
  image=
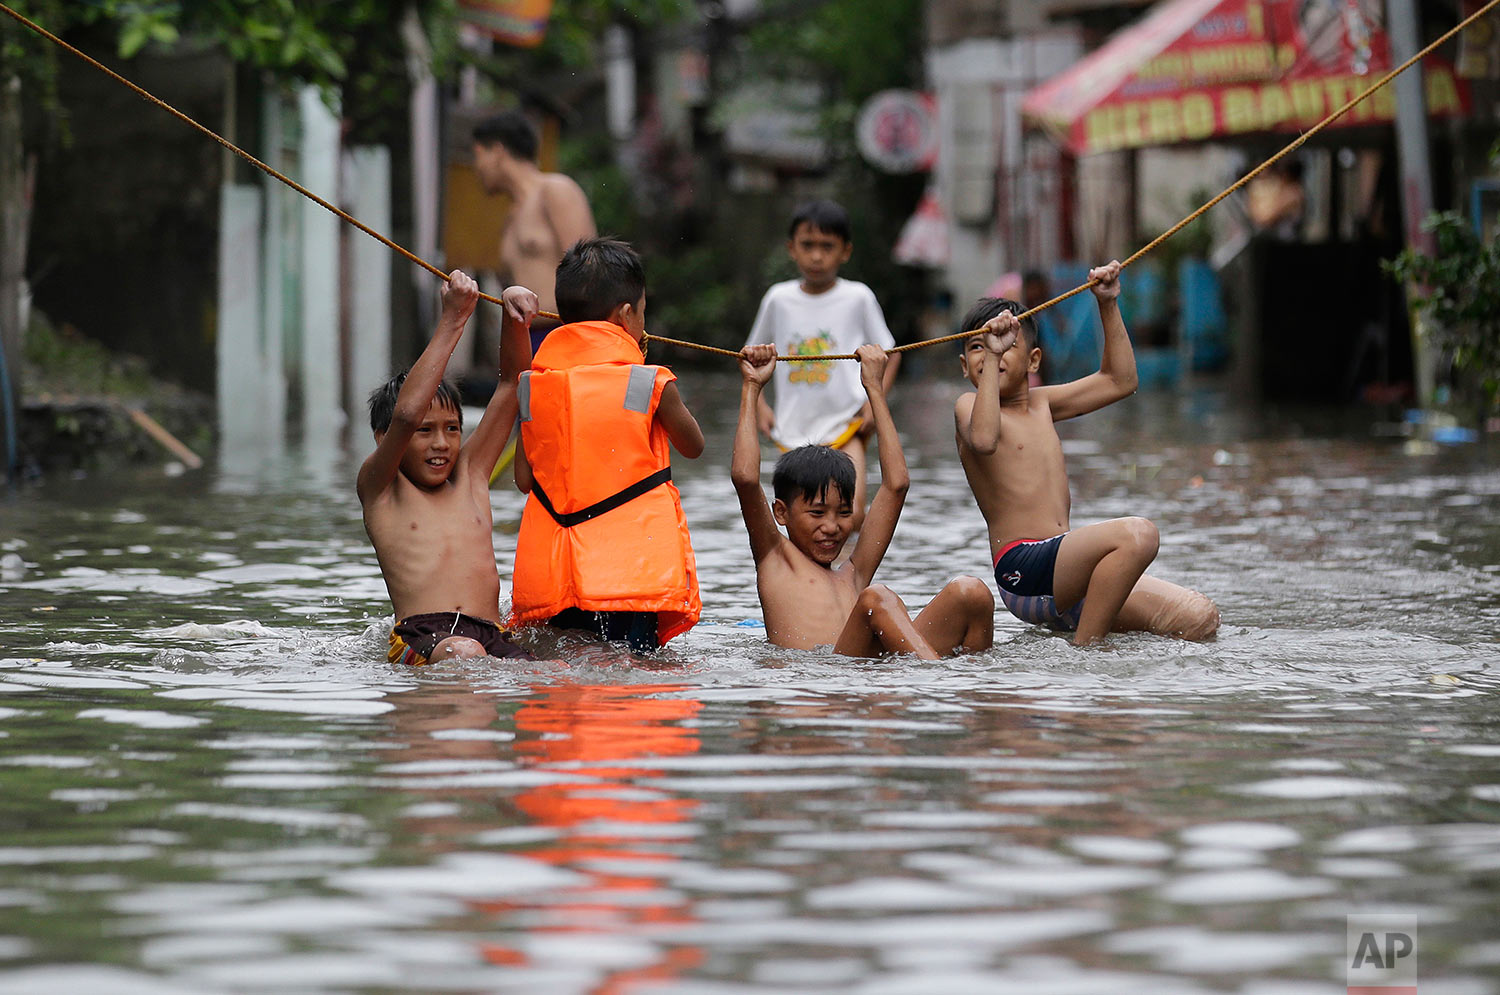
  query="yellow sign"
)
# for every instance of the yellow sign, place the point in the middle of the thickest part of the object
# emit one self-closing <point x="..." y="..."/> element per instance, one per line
<point x="1267" y="106"/>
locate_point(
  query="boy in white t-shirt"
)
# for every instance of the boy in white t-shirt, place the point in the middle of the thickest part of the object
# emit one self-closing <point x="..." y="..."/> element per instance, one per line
<point x="821" y="402"/>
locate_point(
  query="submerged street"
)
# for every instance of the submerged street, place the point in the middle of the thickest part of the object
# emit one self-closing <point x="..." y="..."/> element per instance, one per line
<point x="215" y="783"/>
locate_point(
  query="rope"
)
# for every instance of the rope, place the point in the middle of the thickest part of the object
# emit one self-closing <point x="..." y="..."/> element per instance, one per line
<point x="1237" y="185"/>
<point x="732" y="354"/>
<point x="241" y="152"/>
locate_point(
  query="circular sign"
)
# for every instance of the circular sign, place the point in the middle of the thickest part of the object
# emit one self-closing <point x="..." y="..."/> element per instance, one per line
<point x="897" y="131"/>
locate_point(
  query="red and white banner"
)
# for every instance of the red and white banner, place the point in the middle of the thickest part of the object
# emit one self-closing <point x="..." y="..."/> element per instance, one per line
<point x="1198" y="70"/>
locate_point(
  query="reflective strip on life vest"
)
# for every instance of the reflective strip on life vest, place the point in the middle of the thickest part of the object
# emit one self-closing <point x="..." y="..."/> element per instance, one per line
<point x="523" y="394"/>
<point x="639" y="388"/>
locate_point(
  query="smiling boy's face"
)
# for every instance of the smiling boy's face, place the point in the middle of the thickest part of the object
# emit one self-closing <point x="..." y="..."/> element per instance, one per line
<point x="819" y="526"/>
<point x="433" y="449"/>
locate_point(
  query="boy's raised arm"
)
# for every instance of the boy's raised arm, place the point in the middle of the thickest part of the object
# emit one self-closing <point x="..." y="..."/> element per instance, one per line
<point x="760" y="334"/>
<point x="885" y="509"/>
<point x="757" y="363"/>
<point x="1116" y="379"/>
<point x="488" y="440"/>
<point x="978" y="414"/>
<point x="460" y="294"/>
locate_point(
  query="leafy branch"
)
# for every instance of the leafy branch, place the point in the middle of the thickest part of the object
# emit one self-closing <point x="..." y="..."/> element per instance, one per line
<point x="1458" y="287"/>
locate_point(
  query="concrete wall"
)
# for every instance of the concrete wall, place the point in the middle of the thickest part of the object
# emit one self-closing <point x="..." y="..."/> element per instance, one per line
<point x="990" y="177"/>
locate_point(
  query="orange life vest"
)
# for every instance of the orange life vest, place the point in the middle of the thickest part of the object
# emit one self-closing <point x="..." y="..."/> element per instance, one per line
<point x="603" y="528"/>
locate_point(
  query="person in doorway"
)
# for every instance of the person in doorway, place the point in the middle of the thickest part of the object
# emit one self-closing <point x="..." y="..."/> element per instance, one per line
<point x="604" y="545"/>
<point x="1090" y="580"/>
<point x="548" y="213"/>
<point x="1278" y="200"/>
<point x="819" y="402"/>
<point x="806" y="600"/>
<point x="425" y="492"/>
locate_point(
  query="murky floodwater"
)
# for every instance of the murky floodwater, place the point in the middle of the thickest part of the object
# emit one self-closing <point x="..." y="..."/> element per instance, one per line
<point x="210" y="780"/>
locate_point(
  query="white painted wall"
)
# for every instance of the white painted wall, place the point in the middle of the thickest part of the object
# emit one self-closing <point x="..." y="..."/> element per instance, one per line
<point x="241" y="357"/>
<point x="277" y="262"/>
<point x="979" y="83"/>
<point x="426" y="164"/>
<point x="322" y="409"/>
<point x="367" y="170"/>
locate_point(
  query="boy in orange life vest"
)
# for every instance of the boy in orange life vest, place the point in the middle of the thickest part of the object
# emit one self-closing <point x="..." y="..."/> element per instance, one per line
<point x="603" y="545"/>
<point x="426" y="495"/>
<point x="805" y="600"/>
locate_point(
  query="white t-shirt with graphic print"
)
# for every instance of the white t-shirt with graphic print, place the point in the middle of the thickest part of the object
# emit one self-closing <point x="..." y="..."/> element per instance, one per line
<point x="815" y="401"/>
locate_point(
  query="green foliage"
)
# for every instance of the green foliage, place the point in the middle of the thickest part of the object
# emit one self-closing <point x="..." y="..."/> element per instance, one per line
<point x="61" y="361"/>
<point x="689" y="298"/>
<point x="1459" y="289"/>
<point x="26" y="56"/>
<point x="576" y="26"/>
<point x="305" y="40"/>
<point x="589" y="160"/>
<point x="353" y="44"/>
<point x="858" y="47"/>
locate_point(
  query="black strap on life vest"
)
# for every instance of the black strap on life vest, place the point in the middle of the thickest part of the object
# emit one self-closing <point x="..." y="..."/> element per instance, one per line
<point x="610" y="503"/>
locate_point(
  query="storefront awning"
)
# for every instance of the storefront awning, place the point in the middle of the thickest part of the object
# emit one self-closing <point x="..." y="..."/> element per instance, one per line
<point x="1202" y="70"/>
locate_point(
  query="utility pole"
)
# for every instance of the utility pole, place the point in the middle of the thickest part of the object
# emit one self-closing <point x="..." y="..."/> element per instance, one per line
<point x="15" y="217"/>
<point x="1415" y="161"/>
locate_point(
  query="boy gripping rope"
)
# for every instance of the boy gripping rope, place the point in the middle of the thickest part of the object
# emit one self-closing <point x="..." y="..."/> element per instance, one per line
<point x="806" y="601"/>
<point x="425" y="494"/>
<point x="1090" y="580"/>
<point x="604" y="545"/>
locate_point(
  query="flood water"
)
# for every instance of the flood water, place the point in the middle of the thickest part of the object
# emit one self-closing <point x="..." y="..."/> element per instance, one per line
<point x="212" y="782"/>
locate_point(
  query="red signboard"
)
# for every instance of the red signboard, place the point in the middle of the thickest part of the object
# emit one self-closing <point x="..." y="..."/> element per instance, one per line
<point x="1196" y="70"/>
<point x="514" y="22"/>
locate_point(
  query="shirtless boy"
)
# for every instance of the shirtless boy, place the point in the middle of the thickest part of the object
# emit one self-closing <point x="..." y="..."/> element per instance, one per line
<point x="806" y="601"/>
<point x="426" y="495"/>
<point x="548" y="213"/>
<point x="1090" y="580"/>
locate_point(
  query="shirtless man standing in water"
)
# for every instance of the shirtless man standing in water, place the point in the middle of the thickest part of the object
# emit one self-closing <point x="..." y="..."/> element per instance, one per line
<point x="549" y="211"/>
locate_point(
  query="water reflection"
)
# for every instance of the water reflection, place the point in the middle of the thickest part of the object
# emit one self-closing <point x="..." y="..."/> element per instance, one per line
<point x="614" y="841"/>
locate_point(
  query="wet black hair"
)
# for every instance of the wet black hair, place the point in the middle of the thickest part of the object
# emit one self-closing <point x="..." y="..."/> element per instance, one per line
<point x="383" y="402"/>
<point x="510" y="129"/>
<point x="823" y="215"/>
<point x="595" y="276"/>
<point x="988" y="307"/>
<point x="808" y="470"/>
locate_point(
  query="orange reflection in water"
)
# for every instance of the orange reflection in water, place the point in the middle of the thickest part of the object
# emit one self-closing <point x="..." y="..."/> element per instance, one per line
<point x="586" y="730"/>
